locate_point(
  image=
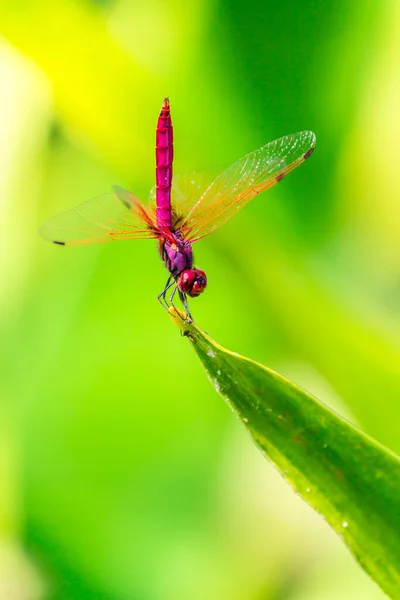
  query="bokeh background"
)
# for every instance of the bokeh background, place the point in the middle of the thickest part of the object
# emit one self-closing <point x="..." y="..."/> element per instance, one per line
<point x="122" y="474"/>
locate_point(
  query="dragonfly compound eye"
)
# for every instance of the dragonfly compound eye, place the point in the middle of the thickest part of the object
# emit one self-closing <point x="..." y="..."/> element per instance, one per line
<point x="192" y="282"/>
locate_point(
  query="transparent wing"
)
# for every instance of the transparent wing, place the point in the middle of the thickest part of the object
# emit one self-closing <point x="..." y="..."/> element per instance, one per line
<point x="207" y="208"/>
<point x="186" y="190"/>
<point x="110" y="217"/>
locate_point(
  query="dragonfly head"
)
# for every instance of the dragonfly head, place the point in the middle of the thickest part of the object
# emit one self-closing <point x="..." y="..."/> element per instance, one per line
<point x="192" y="282"/>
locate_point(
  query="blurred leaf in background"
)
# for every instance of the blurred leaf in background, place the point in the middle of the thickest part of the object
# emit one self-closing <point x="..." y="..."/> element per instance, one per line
<point x="123" y="455"/>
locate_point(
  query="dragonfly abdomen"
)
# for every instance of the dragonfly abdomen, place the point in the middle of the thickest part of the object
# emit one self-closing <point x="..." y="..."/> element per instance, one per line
<point x="164" y="159"/>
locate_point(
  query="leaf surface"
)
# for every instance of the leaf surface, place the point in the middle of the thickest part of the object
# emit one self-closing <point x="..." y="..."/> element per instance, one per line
<point x="347" y="477"/>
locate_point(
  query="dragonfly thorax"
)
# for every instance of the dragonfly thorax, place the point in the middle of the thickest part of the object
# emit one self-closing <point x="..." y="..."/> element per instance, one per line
<point x="177" y="255"/>
<point x="178" y="258"/>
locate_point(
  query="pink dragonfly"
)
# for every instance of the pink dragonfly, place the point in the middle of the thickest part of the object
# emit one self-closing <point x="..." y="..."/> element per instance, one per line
<point x="182" y="212"/>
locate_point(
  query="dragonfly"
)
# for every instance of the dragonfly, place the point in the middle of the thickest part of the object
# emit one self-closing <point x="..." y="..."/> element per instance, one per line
<point x="182" y="209"/>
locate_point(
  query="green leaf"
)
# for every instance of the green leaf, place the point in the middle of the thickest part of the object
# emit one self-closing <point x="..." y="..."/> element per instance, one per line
<point x="350" y="479"/>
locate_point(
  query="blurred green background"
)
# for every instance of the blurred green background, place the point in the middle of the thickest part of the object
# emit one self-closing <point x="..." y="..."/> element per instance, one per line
<point x="122" y="473"/>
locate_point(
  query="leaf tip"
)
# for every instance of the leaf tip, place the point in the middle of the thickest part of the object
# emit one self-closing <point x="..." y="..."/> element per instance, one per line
<point x="180" y="319"/>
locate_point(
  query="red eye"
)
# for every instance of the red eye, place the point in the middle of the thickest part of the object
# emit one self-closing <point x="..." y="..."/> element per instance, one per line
<point x="192" y="282"/>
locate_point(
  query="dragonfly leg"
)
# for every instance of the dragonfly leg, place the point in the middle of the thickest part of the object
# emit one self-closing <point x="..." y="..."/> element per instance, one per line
<point x="171" y="299"/>
<point x="161" y="296"/>
<point x="166" y="304"/>
<point x="184" y="301"/>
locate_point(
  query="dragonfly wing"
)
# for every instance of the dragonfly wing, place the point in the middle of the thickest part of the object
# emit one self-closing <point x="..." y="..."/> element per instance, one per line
<point x="243" y="180"/>
<point x="116" y="216"/>
<point x="186" y="190"/>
